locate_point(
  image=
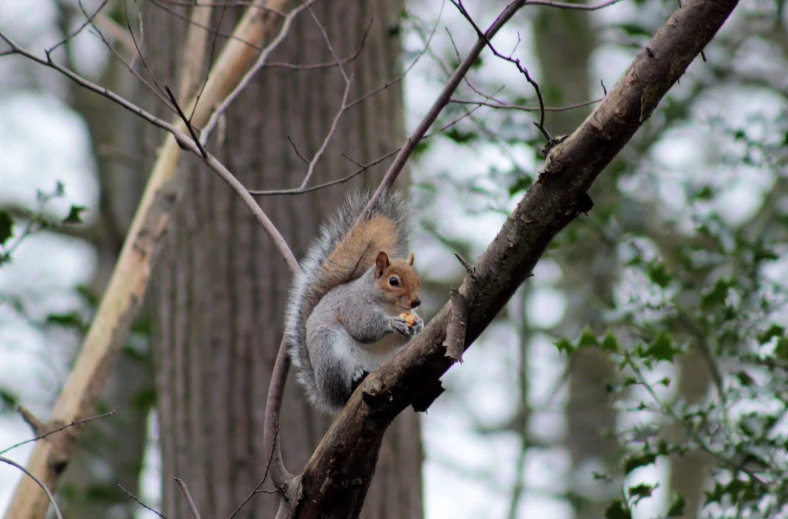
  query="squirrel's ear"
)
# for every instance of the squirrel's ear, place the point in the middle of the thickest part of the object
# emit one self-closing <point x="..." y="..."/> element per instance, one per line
<point x="410" y="259"/>
<point x="381" y="263"/>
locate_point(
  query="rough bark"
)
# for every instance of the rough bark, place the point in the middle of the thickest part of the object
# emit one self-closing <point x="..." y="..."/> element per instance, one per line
<point x="338" y="470"/>
<point x="565" y="41"/>
<point x="219" y="292"/>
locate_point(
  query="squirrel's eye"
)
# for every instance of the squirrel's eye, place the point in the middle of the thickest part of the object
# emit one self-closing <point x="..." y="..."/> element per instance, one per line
<point x="393" y="281"/>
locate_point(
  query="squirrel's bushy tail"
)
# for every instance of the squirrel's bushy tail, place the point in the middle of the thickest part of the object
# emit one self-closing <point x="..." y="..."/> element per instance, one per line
<point x="341" y="253"/>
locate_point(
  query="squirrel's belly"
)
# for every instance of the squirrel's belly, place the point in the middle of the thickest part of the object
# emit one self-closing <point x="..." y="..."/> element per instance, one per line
<point x="373" y="355"/>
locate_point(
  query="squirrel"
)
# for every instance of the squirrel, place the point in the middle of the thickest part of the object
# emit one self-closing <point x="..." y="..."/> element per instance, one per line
<point x="352" y="306"/>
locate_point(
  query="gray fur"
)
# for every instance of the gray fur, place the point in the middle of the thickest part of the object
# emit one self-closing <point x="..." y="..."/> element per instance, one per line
<point x="317" y="369"/>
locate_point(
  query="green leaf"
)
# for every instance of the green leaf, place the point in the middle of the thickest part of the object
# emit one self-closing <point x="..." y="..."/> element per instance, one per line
<point x="459" y="136"/>
<point x="8" y="399"/>
<point x="521" y="184"/>
<point x="564" y="345"/>
<point x="658" y="275"/>
<point x="74" y="214"/>
<point x="764" y="254"/>
<point x="782" y="349"/>
<point x="638" y="460"/>
<point x="618" y="510"/>
<point x="609" y="343"/>
<point x="661" y="348"/>
<point x="677" y="505"/>
<point x="587" y="339"/>
<point x="641" y="491"/>
<point x="716" y="296"/>
<point x="6" y="226"/>
<point x="67" y="320"/>
<point x="773" y="331"/>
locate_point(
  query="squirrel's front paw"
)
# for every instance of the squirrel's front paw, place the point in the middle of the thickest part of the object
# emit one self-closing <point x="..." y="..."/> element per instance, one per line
<point x="399" y="325"/>
<point x="418" y="326"/>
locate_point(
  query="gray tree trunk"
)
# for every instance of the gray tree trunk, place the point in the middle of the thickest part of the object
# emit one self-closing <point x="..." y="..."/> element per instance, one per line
<point x="564" y="43"/>
<point x="219" y="293"/>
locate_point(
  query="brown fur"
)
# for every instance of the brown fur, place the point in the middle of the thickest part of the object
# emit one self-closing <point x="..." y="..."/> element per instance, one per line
<point x="409" y="289"/>
<point x="353" y="256"/>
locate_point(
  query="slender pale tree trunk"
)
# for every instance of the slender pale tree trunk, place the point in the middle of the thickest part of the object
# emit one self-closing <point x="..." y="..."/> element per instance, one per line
<point x="219" y="294"/>
<point x="111" y="451"/>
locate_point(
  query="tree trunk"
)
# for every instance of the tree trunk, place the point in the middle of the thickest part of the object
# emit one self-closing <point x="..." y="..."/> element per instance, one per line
<point x="220" y="290"/>
<point x="111" y="450"/>
<point x="564" y="43"/>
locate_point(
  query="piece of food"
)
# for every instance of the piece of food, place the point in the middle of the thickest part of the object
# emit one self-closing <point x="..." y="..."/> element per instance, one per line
<point x="409" y="318"/>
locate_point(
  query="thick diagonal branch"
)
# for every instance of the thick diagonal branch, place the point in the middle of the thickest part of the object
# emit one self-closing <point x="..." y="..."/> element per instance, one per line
<point x="337" y="476"/>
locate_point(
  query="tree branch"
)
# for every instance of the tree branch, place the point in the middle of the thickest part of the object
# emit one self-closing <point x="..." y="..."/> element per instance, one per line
<point x="441" y="102"/>
<point x="337" y="476"/>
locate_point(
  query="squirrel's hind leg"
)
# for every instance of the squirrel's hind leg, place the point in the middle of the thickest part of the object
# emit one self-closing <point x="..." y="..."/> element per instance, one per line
<point x="337" y="372"/>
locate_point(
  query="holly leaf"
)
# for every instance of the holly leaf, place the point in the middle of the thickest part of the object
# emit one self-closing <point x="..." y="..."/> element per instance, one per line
<point x="662" y="348"/>
<point x="564" y="345"/>
<point x="618" y="510"/>
<point x="638" y="460"/>
<point x="773" y="331"/>
<point x="716" y="296"/>
<point x="6" y="226"/>
<point x="677" y="505"/>
<point x="74" y="214"/>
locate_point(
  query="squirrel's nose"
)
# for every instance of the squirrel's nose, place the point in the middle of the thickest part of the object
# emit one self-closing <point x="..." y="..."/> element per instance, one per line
<point x="415" y="303"/>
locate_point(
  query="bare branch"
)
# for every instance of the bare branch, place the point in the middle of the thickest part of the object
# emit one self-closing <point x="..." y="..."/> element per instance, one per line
<point x="185" y="490"/>
<point x="332" y="130"/>
<point x="39" y="427"/>
<point x="455" y="331"/>
<point x="575" y="7"/>
<point x="442" y="100"/>
<point x="299" y="191"/>
<point x="88" y="21"/>
<point x="510" y="59"/>
<point x="252" y="72"/>
<point x="38" y="481"/>
<point x="143" y="505"/>
<point x="215" y="32"/>
<point x="412" y="64"/>
<point x="506" y="106"/>
<point x="271" y="436"/>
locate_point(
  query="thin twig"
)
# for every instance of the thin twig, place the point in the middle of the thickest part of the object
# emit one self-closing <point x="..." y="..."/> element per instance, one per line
<point x="442" y="100"/>
<point x="412" y="64"/>
<point x="137" y="47"/>
<point x="343" y="107"/>
<point x="143" y="505"/>
<point x="183" y="140"/>
<point x="252" y="72"/>
<point x="240" y="3"/>
<point x="215" y="32"/>
<point x="134" y="48"/>
<point x="506" y="106"/>
<point x="88" y="21"/>
<point x="516" y="61"/>
<point x="274" y="448"/>
<point x="40" y="484"/>
<point x="299" y="191"/>
<point x="192" y="506"/>
<point x="53" y="431"/>
<point x="576" y="7"/>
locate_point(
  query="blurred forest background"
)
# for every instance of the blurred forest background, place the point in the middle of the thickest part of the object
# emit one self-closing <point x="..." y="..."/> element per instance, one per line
<point x="642" y="372"/>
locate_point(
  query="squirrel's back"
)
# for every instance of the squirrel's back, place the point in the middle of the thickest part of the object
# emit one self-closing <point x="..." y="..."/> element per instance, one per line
<point x="341" y="253"/>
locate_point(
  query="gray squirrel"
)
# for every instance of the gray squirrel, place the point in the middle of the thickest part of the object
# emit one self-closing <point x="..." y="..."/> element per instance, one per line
<point x="352" y="306"/>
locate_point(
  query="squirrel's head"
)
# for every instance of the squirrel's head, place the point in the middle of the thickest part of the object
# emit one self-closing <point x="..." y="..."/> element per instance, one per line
<point x="397" y="281"/>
